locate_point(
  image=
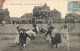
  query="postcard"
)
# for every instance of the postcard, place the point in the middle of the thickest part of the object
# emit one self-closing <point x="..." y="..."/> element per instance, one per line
<point x="39" y="25"/>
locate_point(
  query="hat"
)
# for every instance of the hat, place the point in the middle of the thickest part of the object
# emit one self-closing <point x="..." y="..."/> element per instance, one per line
<point x="51" y="27"/>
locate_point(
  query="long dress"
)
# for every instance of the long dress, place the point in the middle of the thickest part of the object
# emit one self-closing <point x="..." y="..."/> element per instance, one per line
<point x="48" y="37"/>
<point x="56" y="37"/>
<point x="65" y="37"/>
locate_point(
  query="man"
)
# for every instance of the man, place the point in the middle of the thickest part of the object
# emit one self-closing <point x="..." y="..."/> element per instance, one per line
<point x="3" y="23"/>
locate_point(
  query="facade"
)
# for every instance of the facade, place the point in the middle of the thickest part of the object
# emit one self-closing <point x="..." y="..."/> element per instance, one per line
<point x="4" y="15"/>
<point x="41" y="12"/>
<point x="72" y="18"/>
<point x="26" y="18"/>
<point x="44" y="14"/>
<point x="55" y="16"/>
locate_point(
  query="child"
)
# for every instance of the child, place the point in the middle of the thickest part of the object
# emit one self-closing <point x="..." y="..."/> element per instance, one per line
<point x="65" y="36"/>
<point x="23" y="36"/>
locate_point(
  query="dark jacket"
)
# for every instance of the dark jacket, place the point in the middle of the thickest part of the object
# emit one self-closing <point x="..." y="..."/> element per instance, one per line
<point x="23" y="37"/>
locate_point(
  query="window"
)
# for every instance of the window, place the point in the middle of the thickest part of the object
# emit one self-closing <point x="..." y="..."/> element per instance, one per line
<point x="39" y="9"/>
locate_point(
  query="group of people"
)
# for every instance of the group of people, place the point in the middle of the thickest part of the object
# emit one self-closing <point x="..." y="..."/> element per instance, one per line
<point x="52" y="35"/>
<point x="25" y="34"/>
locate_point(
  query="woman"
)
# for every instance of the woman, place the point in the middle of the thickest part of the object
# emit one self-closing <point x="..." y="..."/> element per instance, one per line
<point x="53" y="37"/>
<point x="65" y="36"/>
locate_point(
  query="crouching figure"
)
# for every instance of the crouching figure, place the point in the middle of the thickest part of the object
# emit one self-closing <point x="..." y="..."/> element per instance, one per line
<point x="53" y="37"/>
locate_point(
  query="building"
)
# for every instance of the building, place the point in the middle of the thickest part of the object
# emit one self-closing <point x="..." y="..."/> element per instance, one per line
<point x="55" y="16"/>
<point x="41" y="13"/>
<point x="26" y="18"/>
<point x="44" y="14"/>
<point x="72" y="18"/>
<point x="4" y="15"/>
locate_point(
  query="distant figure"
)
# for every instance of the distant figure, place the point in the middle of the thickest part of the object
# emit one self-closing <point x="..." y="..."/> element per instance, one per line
<point x="65" y="36"/>
<point x="49" y="24"/>
<point x="3" y="23"/>
<point x="36" y="28"/>
<point x="13" y="22"/>
<point x="78" y="34"/>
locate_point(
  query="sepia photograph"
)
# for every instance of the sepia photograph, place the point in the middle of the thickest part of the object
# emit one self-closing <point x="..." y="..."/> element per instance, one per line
<point x="39" y="25"/>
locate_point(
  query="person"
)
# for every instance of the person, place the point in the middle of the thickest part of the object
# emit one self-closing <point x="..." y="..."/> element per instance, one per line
<point x="65" y="36"/>
<point x="22" y="37"/>
<point x="3" y="23"/>
<point x="42" y="30"/>
<point x="31" y="33"/>
<point x="56" y="40"/>
<point x="53" y="36"/>
<point x="35" y="28"/>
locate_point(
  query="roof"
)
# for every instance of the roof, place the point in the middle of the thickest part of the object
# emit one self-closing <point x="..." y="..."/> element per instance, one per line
<point x="14" y="18"/>
<point x="73" y="14"/>
<point x="36" y="8"/>
<point x="23" y="19"/>
<point x="27" y="15"/>
<point x="54" y="10"/>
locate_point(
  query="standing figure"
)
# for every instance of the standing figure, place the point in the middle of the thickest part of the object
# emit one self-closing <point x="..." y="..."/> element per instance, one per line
<point x="3" y="23"/>
<point x="65" y="36"/>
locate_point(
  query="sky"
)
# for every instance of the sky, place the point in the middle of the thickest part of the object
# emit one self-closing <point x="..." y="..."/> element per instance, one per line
<point x="19" y="7"/>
